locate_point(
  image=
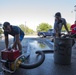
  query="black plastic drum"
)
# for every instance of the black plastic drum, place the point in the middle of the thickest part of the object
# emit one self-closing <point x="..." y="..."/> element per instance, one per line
<point x="63" y="50"/>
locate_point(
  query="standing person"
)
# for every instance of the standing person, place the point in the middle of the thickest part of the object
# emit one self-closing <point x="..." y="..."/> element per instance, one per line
<point x="73" y="29"/>
<point x="16" y="32"/>
<point x="59" y="22"/>
<point x="73" y="32"/>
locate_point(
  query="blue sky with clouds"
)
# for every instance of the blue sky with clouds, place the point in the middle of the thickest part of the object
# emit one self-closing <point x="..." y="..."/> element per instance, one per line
<point x="34" y="12"/>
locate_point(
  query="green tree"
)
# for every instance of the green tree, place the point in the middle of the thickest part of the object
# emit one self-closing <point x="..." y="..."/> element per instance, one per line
<point x="1" y="31"/>
<point x="26" y="29"/>
<point x="30" y="31"/>
<point x="68" y="25"/>
<point x="43" y="27"/>
<point x="22" y="27"/>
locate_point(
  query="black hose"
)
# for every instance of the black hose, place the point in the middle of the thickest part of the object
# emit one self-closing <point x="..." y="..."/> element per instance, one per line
<point x="48" y="51"/>
<point x="31" y="66"/>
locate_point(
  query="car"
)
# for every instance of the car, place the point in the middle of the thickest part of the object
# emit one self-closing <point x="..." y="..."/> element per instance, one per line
<point x="44" y="34"/>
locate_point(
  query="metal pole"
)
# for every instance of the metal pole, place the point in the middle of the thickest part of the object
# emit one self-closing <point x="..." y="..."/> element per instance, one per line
<point x="75" y="12"/>
<point x="25" y="23"/>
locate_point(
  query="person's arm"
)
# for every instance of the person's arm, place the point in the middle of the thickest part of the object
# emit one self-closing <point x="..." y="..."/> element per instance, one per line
<point x="65" y="25"/>
<point x="66" y="28"/>
<point x="16" y="40"/>
<point x="6" y="42"/>
<point x="56" y="28"/>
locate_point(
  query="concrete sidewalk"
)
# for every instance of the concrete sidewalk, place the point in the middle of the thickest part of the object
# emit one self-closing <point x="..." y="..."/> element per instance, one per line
<point x="48" y="67"/>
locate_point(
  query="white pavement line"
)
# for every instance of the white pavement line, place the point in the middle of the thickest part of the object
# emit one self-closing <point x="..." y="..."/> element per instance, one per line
<point x="28" y="36"/>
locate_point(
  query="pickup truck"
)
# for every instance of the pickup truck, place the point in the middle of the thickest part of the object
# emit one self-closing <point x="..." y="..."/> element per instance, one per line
<point x="44" y="34"/>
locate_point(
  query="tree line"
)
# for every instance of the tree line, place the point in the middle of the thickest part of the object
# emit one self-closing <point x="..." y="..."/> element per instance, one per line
<point x="26" y="29"/>
<point x="46" y="27"/>
<point x="40" y="27"/>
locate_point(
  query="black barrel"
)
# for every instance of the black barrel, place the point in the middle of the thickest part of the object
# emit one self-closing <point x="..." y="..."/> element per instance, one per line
<point x="62" y="51"/>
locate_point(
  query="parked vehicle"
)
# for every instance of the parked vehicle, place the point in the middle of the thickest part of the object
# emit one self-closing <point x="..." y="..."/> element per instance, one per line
<point x="63" y="32"/>
<point x="44" y="34"/>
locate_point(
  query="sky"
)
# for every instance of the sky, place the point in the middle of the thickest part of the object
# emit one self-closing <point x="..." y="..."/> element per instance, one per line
<point x="33" y="12"/>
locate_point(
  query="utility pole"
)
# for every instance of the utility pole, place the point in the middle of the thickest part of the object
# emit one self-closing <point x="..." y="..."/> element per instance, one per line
<point x="75" y="12"/>
<point x="25" y="23"/>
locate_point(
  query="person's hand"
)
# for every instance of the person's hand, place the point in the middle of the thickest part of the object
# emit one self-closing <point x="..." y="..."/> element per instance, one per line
<point x="69" y="33"/>
<point x="9" y="48"/>
<point x="6" y="48"/>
